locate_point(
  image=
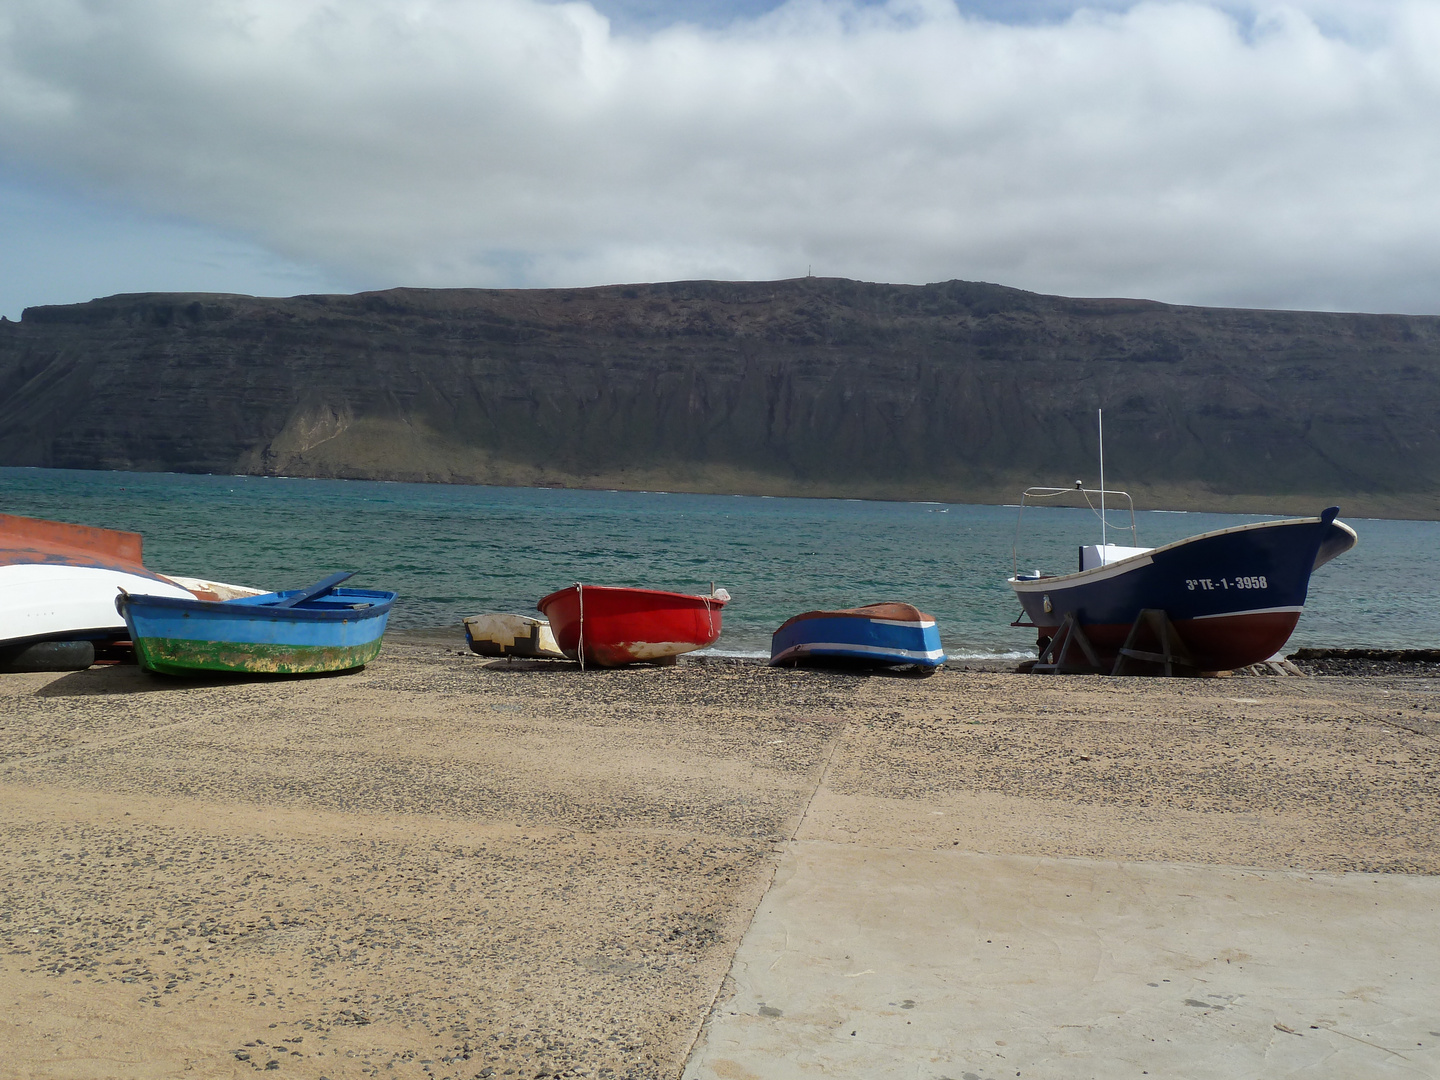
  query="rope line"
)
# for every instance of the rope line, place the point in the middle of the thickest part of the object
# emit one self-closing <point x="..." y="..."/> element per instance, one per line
<point x="580" y="644"/>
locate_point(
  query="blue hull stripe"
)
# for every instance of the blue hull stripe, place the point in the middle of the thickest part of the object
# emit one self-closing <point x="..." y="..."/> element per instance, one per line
<point x="334" y="622"/>
<point x="863" y="652"/>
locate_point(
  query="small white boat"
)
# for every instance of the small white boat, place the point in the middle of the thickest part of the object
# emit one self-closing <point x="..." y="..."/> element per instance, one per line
<point x="512" y="635"/>
<point x="58" y="582"/>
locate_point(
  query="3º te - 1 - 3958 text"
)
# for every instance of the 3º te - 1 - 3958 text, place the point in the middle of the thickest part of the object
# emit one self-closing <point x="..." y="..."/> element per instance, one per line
<point x="1206" y="584"/>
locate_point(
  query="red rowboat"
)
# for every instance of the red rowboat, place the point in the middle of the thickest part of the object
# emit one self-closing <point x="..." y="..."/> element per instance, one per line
<point x="627" y="626"/>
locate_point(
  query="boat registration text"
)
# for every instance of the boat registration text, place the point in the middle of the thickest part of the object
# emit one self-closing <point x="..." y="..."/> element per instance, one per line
<point x="1207" y="584"/>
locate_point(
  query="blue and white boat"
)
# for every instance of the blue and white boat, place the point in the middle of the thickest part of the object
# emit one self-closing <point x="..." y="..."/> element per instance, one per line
<point x="1232" y="596"/>
<point x="874" y="634"/>
<point x="1215" y="602"/>
<point x="304" y="631"/>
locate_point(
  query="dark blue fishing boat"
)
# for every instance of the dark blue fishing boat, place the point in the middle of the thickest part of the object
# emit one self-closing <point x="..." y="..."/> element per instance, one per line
<point x="875" y="634"/>
<point x="1231" y="597"/>
<point x="305" y="631"/>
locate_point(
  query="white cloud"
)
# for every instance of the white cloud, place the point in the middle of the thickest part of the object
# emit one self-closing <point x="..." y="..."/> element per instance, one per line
<point x="1277" y="155"/>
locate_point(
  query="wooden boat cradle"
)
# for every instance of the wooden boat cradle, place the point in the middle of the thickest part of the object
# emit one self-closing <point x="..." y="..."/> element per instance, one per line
<point x="1152" y="623"/>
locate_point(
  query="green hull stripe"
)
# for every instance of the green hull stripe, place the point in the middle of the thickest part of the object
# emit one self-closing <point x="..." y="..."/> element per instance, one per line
<point x="177" y="656"/>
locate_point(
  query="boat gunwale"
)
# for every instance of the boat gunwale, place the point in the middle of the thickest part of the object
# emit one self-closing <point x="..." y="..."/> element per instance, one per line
<point x="699" y="598"/>
<point x="382" y="600"/>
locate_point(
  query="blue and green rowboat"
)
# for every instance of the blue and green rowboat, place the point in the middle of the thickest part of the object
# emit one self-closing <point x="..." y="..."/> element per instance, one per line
<point x="301" y="632"/>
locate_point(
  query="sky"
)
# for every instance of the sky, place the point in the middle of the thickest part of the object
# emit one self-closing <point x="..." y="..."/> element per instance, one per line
<point x="1227" y="152"/>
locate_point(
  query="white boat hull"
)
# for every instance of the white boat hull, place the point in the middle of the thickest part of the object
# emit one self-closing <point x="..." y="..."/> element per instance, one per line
<point x="47" y="602"/>
<point x="511" y="635"/>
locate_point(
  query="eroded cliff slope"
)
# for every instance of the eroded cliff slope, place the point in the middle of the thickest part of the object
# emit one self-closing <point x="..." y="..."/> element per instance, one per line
<point x="956" y="391"/>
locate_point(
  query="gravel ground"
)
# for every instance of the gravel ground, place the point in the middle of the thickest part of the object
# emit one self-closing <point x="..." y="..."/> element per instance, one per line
<point x="442" y="866"/>
<point x="1423" y="663"/>
<point x="1359" y="668"/>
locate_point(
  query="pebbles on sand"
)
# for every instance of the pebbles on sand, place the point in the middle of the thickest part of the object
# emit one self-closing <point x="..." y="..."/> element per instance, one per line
<point x="442" y="866"/>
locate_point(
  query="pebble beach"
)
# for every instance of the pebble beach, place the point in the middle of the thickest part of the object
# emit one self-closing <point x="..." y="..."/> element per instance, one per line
<point x="444" y="866"/>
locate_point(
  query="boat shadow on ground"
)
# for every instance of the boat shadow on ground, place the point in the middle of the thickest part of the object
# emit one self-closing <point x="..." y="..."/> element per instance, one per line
<point x="566" y="667"/>
<point x="877" y="671"/>
<point x="573" y="667"/>
<point x="103" y="681"/>
<point x="543" y="665"/>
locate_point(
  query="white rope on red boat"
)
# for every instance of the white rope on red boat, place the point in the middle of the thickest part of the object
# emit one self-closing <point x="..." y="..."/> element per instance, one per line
<point x="717" y="596"/>
<point x="580" y="643"/>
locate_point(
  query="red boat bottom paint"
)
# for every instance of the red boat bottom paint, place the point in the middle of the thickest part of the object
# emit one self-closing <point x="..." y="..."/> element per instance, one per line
<point x="1221" y="643"/>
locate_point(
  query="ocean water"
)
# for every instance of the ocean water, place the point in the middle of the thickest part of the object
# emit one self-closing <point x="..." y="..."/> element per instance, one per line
<point x="452" y="551"/>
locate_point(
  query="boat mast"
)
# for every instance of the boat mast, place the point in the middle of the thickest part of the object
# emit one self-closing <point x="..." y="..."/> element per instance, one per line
<point x="1100" y="419"/>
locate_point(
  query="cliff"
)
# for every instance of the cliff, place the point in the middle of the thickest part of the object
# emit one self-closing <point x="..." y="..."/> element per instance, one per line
<point x="952" y="391"/>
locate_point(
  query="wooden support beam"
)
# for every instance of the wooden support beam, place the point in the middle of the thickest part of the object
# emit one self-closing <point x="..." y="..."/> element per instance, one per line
<point x="1173" y="653"/>
<point x="1069" y="634"/>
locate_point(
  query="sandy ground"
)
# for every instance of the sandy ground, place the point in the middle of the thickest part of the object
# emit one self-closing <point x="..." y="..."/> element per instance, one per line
<point x="440" y="866"/>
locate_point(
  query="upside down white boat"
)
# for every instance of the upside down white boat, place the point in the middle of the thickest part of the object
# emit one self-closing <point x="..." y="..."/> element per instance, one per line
<point x="58" y="581"/>
<point x="511" y="636"/>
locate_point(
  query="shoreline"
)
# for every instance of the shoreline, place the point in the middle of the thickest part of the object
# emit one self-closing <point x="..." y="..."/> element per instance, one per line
<point x="1195" y="497"/>
<point x="1327" y="661"/>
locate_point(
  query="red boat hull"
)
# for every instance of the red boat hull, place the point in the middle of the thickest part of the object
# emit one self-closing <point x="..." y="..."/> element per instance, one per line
<point x="1219" y="643"/>
<point x="629" y="626"/>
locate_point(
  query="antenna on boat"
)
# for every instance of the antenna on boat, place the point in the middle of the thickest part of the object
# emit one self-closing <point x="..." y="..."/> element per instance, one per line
<point x="1100" y="420"/>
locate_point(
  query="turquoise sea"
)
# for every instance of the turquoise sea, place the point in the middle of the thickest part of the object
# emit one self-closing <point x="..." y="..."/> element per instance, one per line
<point x="452" y="551"/>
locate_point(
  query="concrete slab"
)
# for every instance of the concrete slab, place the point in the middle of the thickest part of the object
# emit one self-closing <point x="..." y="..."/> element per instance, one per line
<point x="892" y="963"/>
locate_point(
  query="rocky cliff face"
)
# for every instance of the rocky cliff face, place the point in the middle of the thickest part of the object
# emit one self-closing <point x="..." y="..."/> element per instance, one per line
<point x="956" y="391"/>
